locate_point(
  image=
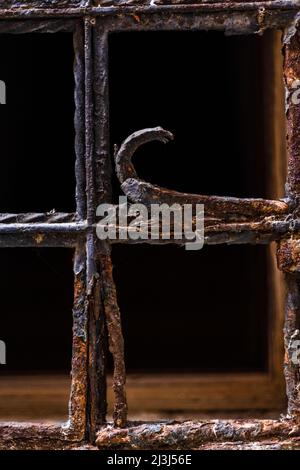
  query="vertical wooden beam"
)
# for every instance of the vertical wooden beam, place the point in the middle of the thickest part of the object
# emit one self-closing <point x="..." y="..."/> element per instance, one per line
<point x="276" y="170"/>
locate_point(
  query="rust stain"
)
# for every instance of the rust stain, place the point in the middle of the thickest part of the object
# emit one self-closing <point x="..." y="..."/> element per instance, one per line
<point x="39" y="238"/>
<point x="116" y="341"/>
<point x="137" y="18"/>
<point x="288" y="255"/>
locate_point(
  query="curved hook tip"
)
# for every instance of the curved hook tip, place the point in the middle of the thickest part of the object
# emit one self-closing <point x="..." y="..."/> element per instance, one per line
<point x="124" y="167"/>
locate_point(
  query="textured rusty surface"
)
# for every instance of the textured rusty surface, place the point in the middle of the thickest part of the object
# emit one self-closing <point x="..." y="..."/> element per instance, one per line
<point x="288" y="248"/>
<point x="288" y="255"/>
<point x="115" y="339"/>
<point x="35" y="218"/>
<point x="231" y="17"/>
<point x="96" y="408"/>
<point x="265" y="444"/>
<point x="227" y="4"/>
<point x="187" y="17"/>
<point x="291" y="74"/>
<point x="37" y="26"/>
<point x="17" y="436"/>
<point x="192" y="435"/>
<point x="97" y="325"/>
<point x="86" y="6"/>
<point x="43" y="3"/>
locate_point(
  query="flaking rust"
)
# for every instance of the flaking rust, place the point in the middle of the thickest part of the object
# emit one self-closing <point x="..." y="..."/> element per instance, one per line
<point x="194" y="435"/>
<point x="291" y="334"/>
<point x="115" y="340"/>
<point x="288" y="255"/>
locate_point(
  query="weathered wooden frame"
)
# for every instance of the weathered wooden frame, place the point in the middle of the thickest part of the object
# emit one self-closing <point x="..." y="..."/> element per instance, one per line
<point x="95" y="308"/>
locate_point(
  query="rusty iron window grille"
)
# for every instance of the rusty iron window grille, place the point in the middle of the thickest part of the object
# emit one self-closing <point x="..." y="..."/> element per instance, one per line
<point x="96" y="317"/>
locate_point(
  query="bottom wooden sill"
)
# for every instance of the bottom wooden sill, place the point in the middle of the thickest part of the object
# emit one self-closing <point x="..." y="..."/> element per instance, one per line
<point x="151" y="397"/>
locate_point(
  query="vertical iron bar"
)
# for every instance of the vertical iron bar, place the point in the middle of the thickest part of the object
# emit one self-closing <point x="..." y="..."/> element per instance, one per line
<point x="103" y="193"/>
<point x="77" y="410"/>
<point x="79" y="75"/>
<point x="97" y="380"/>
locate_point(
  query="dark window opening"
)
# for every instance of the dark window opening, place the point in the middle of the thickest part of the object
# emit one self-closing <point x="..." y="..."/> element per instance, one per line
<point x="204" y="311"/>
<point x="36" y="304"/>
<point x="37" y="131"/>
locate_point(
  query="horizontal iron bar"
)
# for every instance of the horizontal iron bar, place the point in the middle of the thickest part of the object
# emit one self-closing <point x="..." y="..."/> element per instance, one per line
<point x="216" y="231"/>
<point x="191" y="434"/>
<point x="38" y="240"/>
<point x="42" y="25"/>
<point x="36" y="217"/>
<point x="21" y="12"/>
<point x="71" y="227"/>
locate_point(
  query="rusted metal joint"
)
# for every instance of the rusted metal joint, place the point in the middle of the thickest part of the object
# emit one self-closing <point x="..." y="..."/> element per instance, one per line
<point x="261" y="13"/>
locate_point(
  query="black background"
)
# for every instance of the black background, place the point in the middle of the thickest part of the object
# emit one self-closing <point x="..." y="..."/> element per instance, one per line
<point x="37" y="160"/>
